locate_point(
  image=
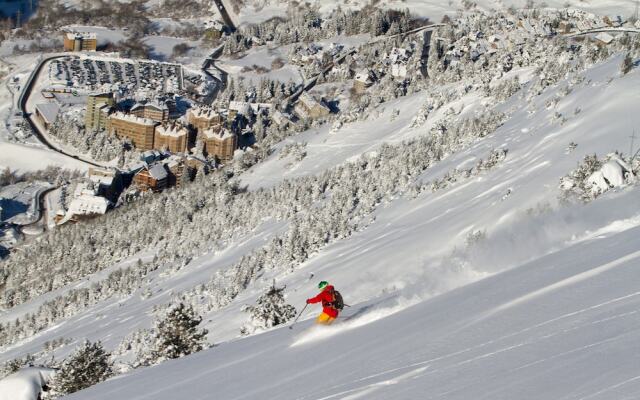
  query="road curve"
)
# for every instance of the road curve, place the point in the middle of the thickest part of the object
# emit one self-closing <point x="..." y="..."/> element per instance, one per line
<point x="22" y="107"/>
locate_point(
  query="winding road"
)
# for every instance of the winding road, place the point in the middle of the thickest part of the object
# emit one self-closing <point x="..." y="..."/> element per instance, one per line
<point x="22" y="107"/>
<point x="604" y="30"/>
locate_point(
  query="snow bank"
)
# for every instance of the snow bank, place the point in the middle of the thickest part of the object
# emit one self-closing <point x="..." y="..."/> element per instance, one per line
<point x="26" y="384"/>
<point x="614" y="173"/>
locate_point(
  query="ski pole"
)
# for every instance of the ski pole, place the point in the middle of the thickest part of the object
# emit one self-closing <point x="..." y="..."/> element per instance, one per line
<point x="296" y="320"/>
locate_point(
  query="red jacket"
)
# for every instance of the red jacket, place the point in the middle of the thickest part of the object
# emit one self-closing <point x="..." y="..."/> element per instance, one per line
<point x="326" y="297"/>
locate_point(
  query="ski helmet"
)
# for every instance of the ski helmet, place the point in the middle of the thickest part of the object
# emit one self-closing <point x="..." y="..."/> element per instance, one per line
<point x="322" y="284"/>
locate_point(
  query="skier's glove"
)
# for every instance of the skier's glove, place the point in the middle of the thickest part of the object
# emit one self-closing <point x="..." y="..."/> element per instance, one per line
<point x="308" y="301"/>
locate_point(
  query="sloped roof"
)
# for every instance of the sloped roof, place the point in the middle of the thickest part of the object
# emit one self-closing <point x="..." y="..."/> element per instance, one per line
<point x="49" y="111"/>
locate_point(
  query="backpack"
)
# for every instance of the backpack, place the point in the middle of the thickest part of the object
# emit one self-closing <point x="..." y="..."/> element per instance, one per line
<point x="337" y="303"/>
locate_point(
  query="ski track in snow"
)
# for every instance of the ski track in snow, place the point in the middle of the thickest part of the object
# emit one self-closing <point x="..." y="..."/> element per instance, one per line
<point x="320" y="332"/>
<point x="572" y="280"/>
<point x="422" y="366"/>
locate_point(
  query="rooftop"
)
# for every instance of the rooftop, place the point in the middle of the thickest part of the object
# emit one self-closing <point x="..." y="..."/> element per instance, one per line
<point x="151" y="104"/>
<point x="203" y="112"/>
<point x="49" y="111"/>
<point x="132" y="118"/>
<point x="88" y="205"/>
<point x="223" y="134"/>
<point x="174" y="130"/>
<point x="81" y="35"/>
<point x="158" y="172"/>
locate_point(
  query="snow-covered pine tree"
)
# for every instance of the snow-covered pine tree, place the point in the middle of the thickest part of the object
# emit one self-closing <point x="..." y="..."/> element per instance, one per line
<point x="627" y="64"/>
<point x="177" y="334"/>
<point x="89" y="365"/>
<point x="270" y="310"/>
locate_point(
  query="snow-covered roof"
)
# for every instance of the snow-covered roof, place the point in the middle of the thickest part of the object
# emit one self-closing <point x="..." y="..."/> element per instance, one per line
<point x="242" y="107"/>
<point x="102" y="176"/>
<point x="81" y="35"/>
<point x="88" y="205"/>
<point x="84" y="189"/>
<point x="25" y="384"/>
<point x="132" y="118"/>
<point x="152" y="104"/>
<point x="214" y="24"/>
<point x="203" y="112"/>
<point x="365" y="76"/>
<point x="49" y="111"/>
<point x="174" y="130"/>
<point x="158" y="172"/>
<point x="308" y="100"/>
<point x="604" y="37"/>
<point x="256" y="107"/>
<point x="219" y="135"/>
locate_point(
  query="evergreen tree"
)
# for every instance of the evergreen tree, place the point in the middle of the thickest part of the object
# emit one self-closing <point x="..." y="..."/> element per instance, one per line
<point x="87" y="366"/>
<point x="177" y="334"/>
<point x="627" y="64"/>
<point x="270" y="310"/>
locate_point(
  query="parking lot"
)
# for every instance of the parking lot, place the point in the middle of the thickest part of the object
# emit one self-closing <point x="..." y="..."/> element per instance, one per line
<point x="125" y="75"/>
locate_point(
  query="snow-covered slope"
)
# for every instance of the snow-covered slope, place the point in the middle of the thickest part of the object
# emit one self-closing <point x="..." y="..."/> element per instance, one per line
<point x="559" y="323"/>
<point x="564" y="326"/>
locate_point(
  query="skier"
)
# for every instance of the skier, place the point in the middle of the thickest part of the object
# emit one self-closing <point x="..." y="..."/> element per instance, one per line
<point x="331" y="303"/>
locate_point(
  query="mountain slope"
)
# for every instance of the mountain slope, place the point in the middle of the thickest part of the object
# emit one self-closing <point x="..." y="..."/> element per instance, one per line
<point x="564" y="326"/>
<point x="561" y="322"/>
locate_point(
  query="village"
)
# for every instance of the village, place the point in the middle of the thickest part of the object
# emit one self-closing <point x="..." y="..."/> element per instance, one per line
<point x="166" y="122"/>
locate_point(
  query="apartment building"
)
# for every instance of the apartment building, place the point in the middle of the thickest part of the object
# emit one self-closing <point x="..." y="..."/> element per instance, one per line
<point x="80" y="41"/>
<point x="221" y="144"/>
<point x="174" y="137"/>
<point x="98" y="109"/>
<point x="141" y="131"/>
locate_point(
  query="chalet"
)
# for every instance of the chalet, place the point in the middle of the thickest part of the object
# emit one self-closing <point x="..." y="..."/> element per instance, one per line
<point x="154" y="178"/>
<point x="564" y="27"/>
<point x="364" y="79"/>
<point x="309" y="108"/>
<point x="214" y="29"/>
<point x="86" y="206"/>
<point x="604" y="39"/>
<point x="281" y="119"/>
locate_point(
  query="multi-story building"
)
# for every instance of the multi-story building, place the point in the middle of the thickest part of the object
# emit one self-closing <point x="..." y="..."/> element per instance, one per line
<point x="174" y="137"/>
<point x="203" y="118"/>
<point x="151" y="110"/>
<point x="80" y="41"/>
<point x="221" y="144"/>
<point x="98" y="109"/>
<point x="140" y="131"/>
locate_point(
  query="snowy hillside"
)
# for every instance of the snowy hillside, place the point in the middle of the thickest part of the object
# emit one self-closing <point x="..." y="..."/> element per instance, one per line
<point x="254" y="11"/>
<point x="479" y="214"/>
<point x="563" y="326"/>
<point x="545" y="310"/>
